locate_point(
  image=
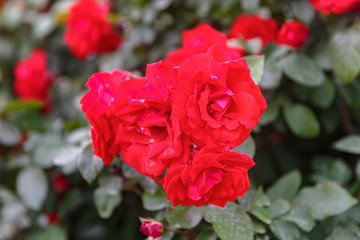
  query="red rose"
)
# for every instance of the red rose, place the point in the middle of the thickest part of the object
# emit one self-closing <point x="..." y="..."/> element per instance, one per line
<point x="148" y="139"/>
<point x="132" y="115"/>
<point x="293" y="34"/>
<point x="95" y="105"/>
<point x="151" y="227"/>
<point x="88" y="31"/>
<point x="59" y="182"/>
<point x="199" y="40"/>
<point x="216" y="101"/>
<point x="32" y="77"/>
<point x="335" y="6"/>
<point x="255" y="26"/>
<point x="212" y="176"/>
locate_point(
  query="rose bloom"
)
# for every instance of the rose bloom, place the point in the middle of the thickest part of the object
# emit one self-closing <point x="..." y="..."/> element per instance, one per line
<point x="293" y="34"/>
<point x="335" y="6"/>
<point x="131" y="115"/>
<point x="95" y="104"/>
<point x="149" y="141"/>
<point x="88" y="31"/>
<point x="198" y="40"/>
<point x="216" y="100"/>
<point x="255" y="26"/>
<point x="151" y="228"/>
<point x="33" y="78"/>
<point x="212" y="176"/>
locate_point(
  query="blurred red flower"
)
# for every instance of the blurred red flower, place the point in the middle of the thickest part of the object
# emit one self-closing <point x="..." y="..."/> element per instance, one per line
<point x="335" y="6"/>
<point x="198" y="40"/>
<point x="255" y="26"/>
<point x="60" y="182"/>
<point x="88" y="31"/>
<point x="33" y="78"/>
<point x="293" y="34"/>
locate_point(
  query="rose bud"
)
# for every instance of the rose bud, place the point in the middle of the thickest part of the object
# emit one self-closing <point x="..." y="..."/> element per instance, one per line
<point x="59" y="182"/>
<point x="150" y="227"/>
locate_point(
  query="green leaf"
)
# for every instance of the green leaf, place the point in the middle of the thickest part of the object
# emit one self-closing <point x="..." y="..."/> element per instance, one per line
<point x="53" y="233"/>
<point x="17" y="105"/>
<point x="344" y="234"/>
<point x="279" y="207"/>
<point x="328" y="168"/>
<point x="270" y="114"/>
<point x="284" y="230"/>
<point x="286" y="187"/>
<point x="302" y="121"/>
<point x="9" y="134"/>
<point x="248" y="147"/>
<point x="155" y="202"/>
<point x="348" y="144"/>
<point x="250" y="6"/>
<point x="324" y="95"/>
<point x="345" y="54"/>
<point x="246" y="202"/>
<point x="183" y="217"/>
<point x="272" y="75"/>
<point x="45" y="151"/>
<point x="108" y="196"/>
<point x="206" y="235"/>
<point x="302" y="70"/>
<point x="256" y="65"/>
<point x="261" y="199"/>
<point x="259" y="227"/>
<point x="325" y="199"/>
<point x="32" y="187"/>
<point x="89" y="165"/>
<point x="262" y="214"/>
<point x="301" y="217"/>
<point x="303" y="10"/>
<point x="230" y="222"/>
<point x="357" y="170"/>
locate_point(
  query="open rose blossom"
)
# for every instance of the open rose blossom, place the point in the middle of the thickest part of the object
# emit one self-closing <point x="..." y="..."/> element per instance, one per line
<point x="95" y="105"/>
<point x="88" y="31"/>
<point x="255" y="26"/>
<point x="131" y="115"/>
<point x="33" y="78"/>
<point x="213" y="176"/>
<point x="198" y="40"/>
<point x="216" y="100"/>
<point x="151" y="227"/>
<point x="293" y="34"/>
<point x="335" y="6"/>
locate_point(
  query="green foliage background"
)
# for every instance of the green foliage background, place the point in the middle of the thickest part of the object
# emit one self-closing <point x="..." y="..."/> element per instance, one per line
<point x="306" y="181"/>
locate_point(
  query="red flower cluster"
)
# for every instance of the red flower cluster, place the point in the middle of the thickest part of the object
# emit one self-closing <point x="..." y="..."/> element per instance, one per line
<point x="33" y="78"/>
<point x="88" y="31"/>
<point x="293" y="34"/>
<point x="207" y="99"/>
<point x="335" y="6"/>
